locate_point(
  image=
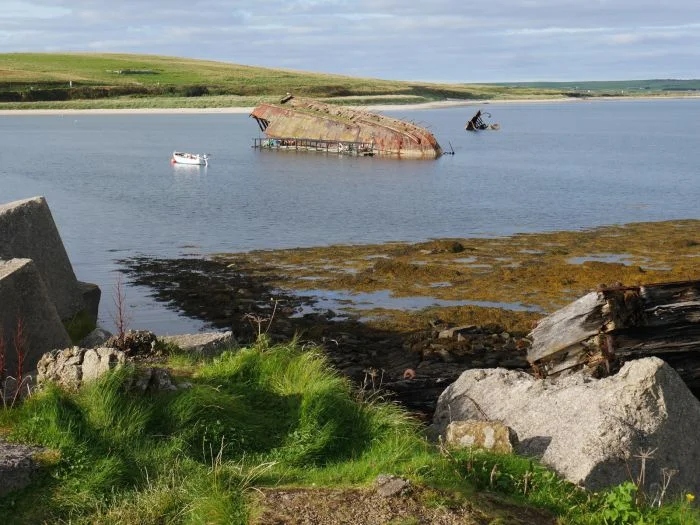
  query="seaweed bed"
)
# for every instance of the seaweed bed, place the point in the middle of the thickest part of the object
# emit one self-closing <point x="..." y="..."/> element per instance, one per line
<point x="378" y="310"/>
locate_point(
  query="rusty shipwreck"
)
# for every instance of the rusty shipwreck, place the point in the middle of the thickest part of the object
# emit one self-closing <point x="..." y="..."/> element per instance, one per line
<point x="307" y="124"/>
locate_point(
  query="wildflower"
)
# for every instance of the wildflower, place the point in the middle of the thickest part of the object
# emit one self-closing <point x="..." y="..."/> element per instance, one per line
<point x="690" y="497"/>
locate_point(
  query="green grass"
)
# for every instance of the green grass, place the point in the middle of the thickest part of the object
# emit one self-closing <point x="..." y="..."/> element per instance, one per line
<point x="122" y="81"/>
<point x="256" y="417"/>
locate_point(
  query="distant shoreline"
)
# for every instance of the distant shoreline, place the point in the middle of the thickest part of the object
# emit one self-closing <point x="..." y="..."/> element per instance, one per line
<point x="367" y="107"/>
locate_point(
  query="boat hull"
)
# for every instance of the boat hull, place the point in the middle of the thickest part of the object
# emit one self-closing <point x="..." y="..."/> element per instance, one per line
<point x="189" y="159"/>
<point x="309" y="119"/>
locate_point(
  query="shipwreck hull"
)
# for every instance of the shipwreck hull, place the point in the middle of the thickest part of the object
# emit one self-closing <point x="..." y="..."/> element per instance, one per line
<point x="307" y="119"/>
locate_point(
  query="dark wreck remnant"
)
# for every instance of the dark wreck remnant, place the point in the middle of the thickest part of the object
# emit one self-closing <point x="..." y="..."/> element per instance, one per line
<point x="309" y="122"/>
<point x="613" y="324"/>
<point x="477" y="122"/>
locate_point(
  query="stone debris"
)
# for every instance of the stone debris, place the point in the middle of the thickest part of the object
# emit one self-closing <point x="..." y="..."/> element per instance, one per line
<point x="72" y="367"/>
<point x="208" y="344"/>
<point x="388" y="485"/>
<point x="488" y="435"/>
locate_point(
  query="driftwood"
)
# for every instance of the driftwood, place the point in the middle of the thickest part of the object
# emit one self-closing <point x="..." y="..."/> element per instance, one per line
<point x="606" y="327"/>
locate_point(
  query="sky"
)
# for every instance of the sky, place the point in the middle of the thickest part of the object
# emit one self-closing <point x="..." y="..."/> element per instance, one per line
<point x="455" y="41"/>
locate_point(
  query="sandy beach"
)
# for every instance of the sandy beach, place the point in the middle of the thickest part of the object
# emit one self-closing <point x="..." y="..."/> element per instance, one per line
<point x="367" y="107"/>
<point x="230" y="110"/>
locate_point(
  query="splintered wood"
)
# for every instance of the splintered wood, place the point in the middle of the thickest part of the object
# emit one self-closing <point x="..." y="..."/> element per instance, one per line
<point x="605" y="327"/>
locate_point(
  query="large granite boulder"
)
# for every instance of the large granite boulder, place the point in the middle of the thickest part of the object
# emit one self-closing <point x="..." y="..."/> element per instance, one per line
<point x="593" y="432"/>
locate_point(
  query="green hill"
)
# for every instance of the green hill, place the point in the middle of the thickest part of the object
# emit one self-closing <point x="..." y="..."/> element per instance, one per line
<point x="82" y="80"/>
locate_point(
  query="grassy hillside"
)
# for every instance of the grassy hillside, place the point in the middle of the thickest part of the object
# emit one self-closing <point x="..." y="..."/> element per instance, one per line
<point x="271" y="434"/>
<point x="87" y="80"/>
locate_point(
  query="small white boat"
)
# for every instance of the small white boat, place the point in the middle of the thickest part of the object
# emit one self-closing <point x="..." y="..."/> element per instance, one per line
<point x="193" y="159"/>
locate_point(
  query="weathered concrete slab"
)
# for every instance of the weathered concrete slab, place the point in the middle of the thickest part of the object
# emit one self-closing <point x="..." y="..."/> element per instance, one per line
<point x="205" y="344"/>
<point x="25" y="299"/>
<point x="91" y="299"/>
<point x="27" y="230"/>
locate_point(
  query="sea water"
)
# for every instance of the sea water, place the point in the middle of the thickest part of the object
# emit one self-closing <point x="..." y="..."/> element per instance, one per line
<point x="551" y="166"/>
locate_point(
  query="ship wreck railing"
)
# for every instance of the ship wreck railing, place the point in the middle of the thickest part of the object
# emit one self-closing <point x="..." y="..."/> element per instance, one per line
<point x="342" y="147"/>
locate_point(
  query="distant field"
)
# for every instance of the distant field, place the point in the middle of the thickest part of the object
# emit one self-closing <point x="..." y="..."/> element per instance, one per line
<point x="89" y="80"/>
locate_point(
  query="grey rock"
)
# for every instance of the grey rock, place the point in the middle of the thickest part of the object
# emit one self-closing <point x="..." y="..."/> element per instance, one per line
<point x="591" y="431"/>
<point x="71" y="367"/>
<point x="450" y="333"/>
<point x="16" y="466"/>
<point x="388" y="485"/>
<point x="488" y="435"/>
<point x="150" y="380"/>
<point x="96" y="338"/>
<point x="205" y="344"/>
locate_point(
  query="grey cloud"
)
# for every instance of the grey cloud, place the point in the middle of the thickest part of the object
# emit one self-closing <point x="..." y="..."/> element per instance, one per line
<point x="441" y="40"/>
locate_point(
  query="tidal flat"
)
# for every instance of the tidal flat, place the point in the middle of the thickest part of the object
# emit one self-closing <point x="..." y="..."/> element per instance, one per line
<point x="508" y="280"/>
<point x="379" y="310"/>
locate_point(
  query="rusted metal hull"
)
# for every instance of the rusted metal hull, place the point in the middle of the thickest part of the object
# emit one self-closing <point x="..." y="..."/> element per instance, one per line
<point x="308" y="119"/>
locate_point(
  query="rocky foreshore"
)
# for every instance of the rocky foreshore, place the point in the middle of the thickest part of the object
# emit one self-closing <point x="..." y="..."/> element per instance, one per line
<point x="415" y="365"/>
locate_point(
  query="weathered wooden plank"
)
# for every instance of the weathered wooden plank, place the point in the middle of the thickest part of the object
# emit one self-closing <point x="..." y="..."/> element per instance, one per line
<point x="667" y="293"/>
<point x="645" y="342"/>
<point x="567" y="326"/>
<point x="676" y="313"/>
<point x="661" y="319"/>
<point x="570" y="357"/>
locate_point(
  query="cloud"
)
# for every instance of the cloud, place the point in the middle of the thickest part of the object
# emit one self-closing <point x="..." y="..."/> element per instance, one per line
<point x="441" y="40"/>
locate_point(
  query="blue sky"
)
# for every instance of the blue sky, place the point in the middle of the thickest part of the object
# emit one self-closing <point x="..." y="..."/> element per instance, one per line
<point x="435" y="40"/>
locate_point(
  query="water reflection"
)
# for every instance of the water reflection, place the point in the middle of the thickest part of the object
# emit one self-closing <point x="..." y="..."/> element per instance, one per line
<point x="347" y="302"/>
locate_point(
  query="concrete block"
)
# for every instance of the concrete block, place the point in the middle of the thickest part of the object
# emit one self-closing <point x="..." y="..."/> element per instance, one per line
<point x="25" y="299"/>
<point x="27" y="230"/>
<point x="91" y="299"/>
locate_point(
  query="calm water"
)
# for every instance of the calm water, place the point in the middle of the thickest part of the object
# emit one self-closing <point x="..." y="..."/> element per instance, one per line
<point x="113" y="192"/>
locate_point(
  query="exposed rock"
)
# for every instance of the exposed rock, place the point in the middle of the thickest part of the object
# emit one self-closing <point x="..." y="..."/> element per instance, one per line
<point x="224" y="294"/>
<point x="73" y="366"/>
<point x="134" y="342"/>
<point x="150" y="380"/>
<point x="389" y="485"/>
<point x="591" y="431"/>
<point x="16" y="466"/>
<point x="456" y="331"/>
<point x="205" y="344"/>
<point x="489" y="435"/>
<point x="98" y="337"/>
